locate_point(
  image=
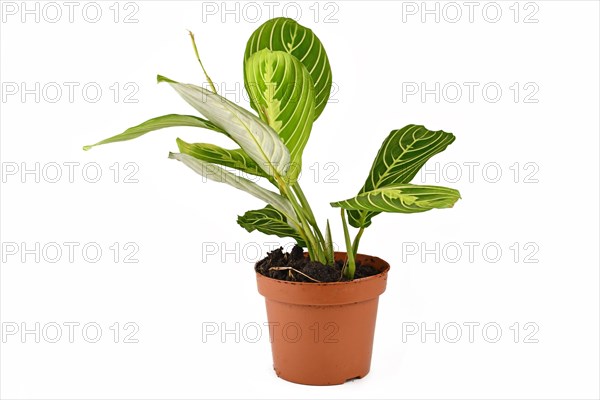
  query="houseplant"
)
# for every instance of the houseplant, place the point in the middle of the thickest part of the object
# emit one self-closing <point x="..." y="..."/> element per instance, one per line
<point x="288" y="77"/>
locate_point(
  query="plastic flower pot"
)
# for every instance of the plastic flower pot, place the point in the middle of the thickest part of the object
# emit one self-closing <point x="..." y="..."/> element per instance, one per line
<point x="322" y="333"/>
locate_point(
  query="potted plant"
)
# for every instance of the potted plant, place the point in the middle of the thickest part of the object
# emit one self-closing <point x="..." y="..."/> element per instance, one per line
<point x="321" y="304"/>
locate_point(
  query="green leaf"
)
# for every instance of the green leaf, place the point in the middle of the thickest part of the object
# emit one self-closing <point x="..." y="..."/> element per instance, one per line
<point x="285" y="34"/>
<point x="404" y="198"/>
<point x="218" y="174"/>
<point x="255" y="137"/>
<point x="282" y="88"/>
<point x="350" y="265"/>
<point x="400" y="157"/>
<point x="214" y="154"/>
<point x="166" y="121"/>
<point x="329" y="250"/>
<point x="271" y="222"/>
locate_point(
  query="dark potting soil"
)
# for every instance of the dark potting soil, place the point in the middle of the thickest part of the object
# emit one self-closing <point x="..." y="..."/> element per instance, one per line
<point x="294" y="266"/>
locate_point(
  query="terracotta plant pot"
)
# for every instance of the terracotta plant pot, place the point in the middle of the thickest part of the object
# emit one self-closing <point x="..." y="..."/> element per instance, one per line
<point x="322" y="333"/>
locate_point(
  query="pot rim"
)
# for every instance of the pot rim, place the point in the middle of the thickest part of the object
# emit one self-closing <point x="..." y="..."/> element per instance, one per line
<point x="327" y="293"/>
<point x="382" y="271"/>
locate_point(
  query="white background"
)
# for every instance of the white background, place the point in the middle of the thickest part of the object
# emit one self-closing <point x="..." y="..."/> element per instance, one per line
<point x="178" y="223"/>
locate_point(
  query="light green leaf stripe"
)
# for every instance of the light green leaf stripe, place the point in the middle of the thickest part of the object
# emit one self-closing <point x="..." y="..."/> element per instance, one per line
<point x="214" y="154"/>
<point x="269" y="221"/>
<point x="218" y="174"/>
<point x="399" y="159"/>
<point x="405" y="199"/>
<point x="285" y="34"/>
<point x="254" y="136"/>
<point x="282" y="88"/>
<point x="154" y="124"/>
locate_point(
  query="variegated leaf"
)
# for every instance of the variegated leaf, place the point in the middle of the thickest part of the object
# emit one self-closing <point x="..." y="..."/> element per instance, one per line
<point x="269" y="221"/>
<point x="218" y="174"/>
<point x="405" y="199"/>
<point x="214" y="154"/>
<point x="165" y="121"/>
<point x="254" y="136"/>
<point x="282" y="88"/>
<point x="285" y="34"/>
<point x="400" y="157"/>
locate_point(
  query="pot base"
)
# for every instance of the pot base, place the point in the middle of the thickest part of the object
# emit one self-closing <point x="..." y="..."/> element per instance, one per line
<point x="329" y="383"/>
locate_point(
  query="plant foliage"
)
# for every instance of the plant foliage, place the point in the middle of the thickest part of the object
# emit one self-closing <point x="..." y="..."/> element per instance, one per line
<point x="288" y="77"/>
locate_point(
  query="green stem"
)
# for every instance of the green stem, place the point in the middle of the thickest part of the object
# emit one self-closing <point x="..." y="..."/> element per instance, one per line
<point x="303" y="201"/>
<point x="351" y="267"/>
<point x="300" y="229"/>
<point x="329" y="252"/>
<point x="357" y="241"/>
<point x="210" y="82"/>
<point x="314" y="246"/>
<point x="309" y="214"/>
